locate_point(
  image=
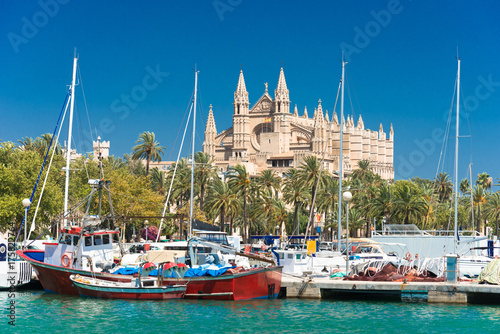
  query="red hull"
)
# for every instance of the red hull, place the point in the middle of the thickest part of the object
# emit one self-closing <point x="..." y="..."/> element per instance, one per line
<point x="251" y="284"/>
<point x="56" y="278"/>
<point x="136" y="296"/>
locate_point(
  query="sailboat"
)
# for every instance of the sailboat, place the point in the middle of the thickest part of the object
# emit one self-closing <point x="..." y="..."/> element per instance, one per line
<point x="470" y="265"/>
<point x="85" y="250"/>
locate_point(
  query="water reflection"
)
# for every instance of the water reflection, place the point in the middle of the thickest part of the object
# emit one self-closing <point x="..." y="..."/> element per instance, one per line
<point x="70" y="313"/>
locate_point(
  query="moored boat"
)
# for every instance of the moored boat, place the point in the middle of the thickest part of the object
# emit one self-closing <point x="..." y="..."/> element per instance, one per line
<point x="139" y="288"/>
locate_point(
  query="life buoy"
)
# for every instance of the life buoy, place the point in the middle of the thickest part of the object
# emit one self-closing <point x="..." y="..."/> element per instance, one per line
<point x="263" y="247"/>
<point x="65" y="260"/>
<point x="408" y="256"/>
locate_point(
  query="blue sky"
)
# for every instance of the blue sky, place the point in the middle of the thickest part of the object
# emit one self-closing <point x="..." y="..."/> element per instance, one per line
<point x="402" y="68"/>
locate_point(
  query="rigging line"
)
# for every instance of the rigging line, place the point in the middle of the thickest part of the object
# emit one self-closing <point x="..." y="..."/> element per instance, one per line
<point x="63" y="216"/>
<point x="187" y="112"/>
<point x="468" y="124"/>
<point x="85" y="101"/>
<point x="82" y="139"/>
<point x="448" y="125"/>
<point x="350" y="100"/>
<point x="175" y="168"/>
<point x="48" y="171"/>
<point x="43" y="165"/>
<point x="356" y="98"/>
<point x="337" y="98"/>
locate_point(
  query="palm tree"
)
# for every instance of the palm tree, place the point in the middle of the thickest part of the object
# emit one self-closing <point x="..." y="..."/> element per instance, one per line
<point x="408" y="204"/>
<point x="485" y="181"/>
<point x="203" y="172"/>
<point x="310" y="172"/>
<point x="356" y="221"/>
<point x="382" y="204"/>
<point x="478" y="199"/>
<point x="221" y="200"/>
<point x="296" y="194"/>
<point x="443" y="186"/>
<point x="328" y="196"/>
<point x="492" y="209"/>
<point x="363" y="171"/>
<point x="268" y="180"/>
<point x="26" y="144"/>
<point x="427" y="192"/>
<point x="465" y="186"/>
<point x="158" y="180"/>
<point x="239" y="179"/>
<point x="147" y="148"/>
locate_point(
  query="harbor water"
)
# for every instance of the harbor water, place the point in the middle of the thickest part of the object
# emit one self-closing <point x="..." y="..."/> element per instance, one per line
<point x="40" y="312"/>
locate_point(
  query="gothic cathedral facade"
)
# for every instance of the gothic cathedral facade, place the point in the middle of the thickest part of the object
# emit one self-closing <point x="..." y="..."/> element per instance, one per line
<point x="269" y="136"/>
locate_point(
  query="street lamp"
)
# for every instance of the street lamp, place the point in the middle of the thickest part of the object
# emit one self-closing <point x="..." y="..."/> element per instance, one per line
<point x="26" y="204"/>
<point x="277" y="230"/>
<point x="347" y="196"/>
<point x="146" y="223"/>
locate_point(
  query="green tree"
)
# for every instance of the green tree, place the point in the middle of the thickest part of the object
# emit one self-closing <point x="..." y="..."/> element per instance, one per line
<point x="492" y="209"/>
<point x="485" y="181"/>
<point x="382" y="204"/>
<point x="408" y="204"/>
<point x="147" y="148"/>
<point x="465" y="186"/>
<point x="478" y="200"/>
<point x="296" y="194"/>
<point x="221" y="199"/>
<point x="313" y="177"/>
<point x="239" y="180"/>
<point x="204" y="172"/>
<point x="443" y="186"/>
<point x="268" y="180"/>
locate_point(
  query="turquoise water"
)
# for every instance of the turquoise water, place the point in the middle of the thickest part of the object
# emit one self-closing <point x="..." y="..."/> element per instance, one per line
<point x="39" y="312"/>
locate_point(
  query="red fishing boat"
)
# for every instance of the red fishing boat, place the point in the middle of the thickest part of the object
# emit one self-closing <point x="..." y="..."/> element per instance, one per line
<point x="140" y="288"/>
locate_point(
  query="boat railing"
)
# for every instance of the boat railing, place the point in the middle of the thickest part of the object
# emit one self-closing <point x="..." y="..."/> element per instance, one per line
<point x="465" y="233"/>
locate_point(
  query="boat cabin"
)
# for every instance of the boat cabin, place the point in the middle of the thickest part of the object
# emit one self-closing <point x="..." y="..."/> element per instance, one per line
<point x="88" y="248"/>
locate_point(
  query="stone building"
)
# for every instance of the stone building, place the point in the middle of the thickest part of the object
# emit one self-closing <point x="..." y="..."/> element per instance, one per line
<point x="269" y="136"/>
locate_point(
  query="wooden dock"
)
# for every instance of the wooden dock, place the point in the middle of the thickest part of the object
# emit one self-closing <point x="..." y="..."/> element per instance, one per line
<point x="443" y="292"/>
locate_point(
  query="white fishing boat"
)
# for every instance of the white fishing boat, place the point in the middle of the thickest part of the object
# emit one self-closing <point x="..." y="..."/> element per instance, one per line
<point x="13" y="271"/>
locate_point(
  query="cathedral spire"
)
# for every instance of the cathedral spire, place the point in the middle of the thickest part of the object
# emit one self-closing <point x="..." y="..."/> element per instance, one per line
<point x="361" y="124"/>
<point x="241" y="89"/>
<point x="241" y="102"/>
<point x="295" y="111"/>
<point x="210" y="134"/>
<point x="327" y="118"/>
<point x="281" y="95"/>
<point x="305" y="113"/>
<point x="335" y="119"/>
<point x="282" y="82"/>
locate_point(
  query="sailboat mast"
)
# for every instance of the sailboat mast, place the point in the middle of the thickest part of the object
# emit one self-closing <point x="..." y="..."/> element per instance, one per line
<point x="456" y="156"/>
<point x="341" y="170"/>
<point x="192" y="154"/>
<point x="68" y="148"/>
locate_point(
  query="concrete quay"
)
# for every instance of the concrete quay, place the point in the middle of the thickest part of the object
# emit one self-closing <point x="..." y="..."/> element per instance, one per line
<point x="442" y="292"/>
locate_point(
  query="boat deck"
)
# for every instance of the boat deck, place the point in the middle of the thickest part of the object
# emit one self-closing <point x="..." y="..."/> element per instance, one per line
<point x="442" y="292"/>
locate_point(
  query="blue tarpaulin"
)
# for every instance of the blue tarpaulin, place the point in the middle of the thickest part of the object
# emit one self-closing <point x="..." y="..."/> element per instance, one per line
<point x="203" y="270"/>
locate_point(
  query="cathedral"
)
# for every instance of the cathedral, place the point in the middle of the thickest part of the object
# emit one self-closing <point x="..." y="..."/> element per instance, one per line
<point x="269" y="136"/>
